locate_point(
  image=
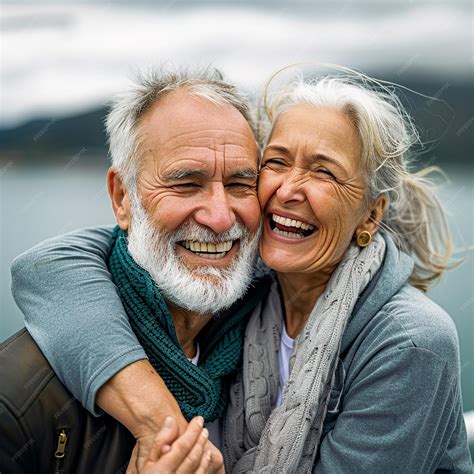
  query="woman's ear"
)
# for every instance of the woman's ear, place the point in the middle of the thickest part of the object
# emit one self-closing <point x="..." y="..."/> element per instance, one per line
<point x="374" y="215"/>
<point x="120" y="199"/>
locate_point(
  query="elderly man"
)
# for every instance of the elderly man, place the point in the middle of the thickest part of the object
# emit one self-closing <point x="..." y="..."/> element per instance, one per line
<point x="183" y="191"/>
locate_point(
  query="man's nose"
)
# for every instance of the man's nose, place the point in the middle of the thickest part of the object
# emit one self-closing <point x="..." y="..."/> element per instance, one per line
<point x="216" y="212"/>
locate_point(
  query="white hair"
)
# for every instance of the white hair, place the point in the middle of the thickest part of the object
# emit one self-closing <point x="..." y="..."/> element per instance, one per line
<point x="146" y="89"/>
<point x="415" y="217"/>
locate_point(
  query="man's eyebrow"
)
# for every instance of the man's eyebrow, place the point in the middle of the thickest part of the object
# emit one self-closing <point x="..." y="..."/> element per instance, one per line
<point x="247" y="173"/>
<point x="183" y="173"/>
<point x="186" y="173"/>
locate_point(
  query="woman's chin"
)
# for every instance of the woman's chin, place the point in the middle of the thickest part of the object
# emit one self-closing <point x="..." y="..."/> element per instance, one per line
<point x="280" y="260"/>
<point x="284" y="255"/>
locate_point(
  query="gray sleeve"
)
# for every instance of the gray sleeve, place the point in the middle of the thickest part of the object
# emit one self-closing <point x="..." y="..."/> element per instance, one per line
<point x="399" y="415"/>
<point x="73" y="311"/>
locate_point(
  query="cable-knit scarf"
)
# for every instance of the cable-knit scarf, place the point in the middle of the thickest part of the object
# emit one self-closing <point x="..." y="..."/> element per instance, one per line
<point x="199" y="390"/>
<point x="286" y="440"/>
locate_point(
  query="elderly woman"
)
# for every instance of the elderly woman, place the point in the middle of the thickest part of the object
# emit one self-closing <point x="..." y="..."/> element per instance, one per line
<point x="364" y="355"/>
<point x="348" y="366"/>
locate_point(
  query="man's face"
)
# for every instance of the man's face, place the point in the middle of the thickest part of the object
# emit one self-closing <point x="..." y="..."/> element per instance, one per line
<point x="197" y="189"/>
<point x="199" y="164"/>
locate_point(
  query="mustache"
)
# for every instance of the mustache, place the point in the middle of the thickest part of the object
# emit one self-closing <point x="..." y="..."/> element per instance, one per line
<point x="192" y="231"/>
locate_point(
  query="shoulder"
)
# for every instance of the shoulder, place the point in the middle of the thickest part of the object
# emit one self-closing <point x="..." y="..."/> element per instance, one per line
<point x="410" y="323"/>
<point x="24" y="372"/>
<point x="422" y="323"/>
<point x="93" y="241"/>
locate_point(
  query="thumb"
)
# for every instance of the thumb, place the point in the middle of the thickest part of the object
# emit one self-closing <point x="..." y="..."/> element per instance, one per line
<point x="164" y="438"/>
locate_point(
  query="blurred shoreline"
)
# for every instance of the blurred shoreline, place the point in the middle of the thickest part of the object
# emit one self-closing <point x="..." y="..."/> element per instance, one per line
<point x="444" y="119"/>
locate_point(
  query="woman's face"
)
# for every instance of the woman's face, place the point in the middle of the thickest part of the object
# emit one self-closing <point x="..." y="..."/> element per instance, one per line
<point x="311" y="190"/>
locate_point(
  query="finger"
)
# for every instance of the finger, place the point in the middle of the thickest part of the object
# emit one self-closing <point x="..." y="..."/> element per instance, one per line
<point x="205" y="463"/>
<point x="168" y="433"/>
<point x="192" y="461"/>
<point x="183" y="445"/>
<point x="132" y="467"/>
<point x="217" y="460"/>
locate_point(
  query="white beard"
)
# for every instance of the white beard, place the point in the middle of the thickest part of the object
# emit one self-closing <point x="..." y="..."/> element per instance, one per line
<point x="206" y="289"/>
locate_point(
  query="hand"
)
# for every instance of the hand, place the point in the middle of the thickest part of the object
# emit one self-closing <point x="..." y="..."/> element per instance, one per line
<point x="167" y="435"/>
<point x="183" y="454"/>
<point x="143" y="412"/>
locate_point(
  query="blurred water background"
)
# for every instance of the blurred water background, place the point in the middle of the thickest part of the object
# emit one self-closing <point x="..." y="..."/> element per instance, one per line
<point x="61" y="62"/>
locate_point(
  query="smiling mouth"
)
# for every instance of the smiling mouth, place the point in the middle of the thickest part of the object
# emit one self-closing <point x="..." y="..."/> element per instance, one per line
<point x="290" y="228"/>
<point x="210" y="250"/>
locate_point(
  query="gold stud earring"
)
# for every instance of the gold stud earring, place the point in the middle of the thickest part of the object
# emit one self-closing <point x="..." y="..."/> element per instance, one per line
<point x="364" y="238"/>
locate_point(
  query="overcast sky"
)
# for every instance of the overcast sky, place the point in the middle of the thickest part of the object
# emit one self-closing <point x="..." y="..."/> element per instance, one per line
<point x="59" y="59"/>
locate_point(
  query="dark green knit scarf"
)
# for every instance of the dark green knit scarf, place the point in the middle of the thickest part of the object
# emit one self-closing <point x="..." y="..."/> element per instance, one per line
<point x="201" y="390"/>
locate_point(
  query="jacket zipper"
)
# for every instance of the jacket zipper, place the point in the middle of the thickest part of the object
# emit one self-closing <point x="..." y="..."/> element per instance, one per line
<point x="60" y="451"/>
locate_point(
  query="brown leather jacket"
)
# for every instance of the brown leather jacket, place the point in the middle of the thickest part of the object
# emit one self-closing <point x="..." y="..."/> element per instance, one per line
<point x="43" y="428"/>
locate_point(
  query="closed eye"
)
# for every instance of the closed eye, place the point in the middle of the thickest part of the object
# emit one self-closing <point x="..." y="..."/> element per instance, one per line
<point x="185" y="186"/>
<point x="325" y="171"/>
<point x="238" y="186"/>
<point x="274" y="162"/>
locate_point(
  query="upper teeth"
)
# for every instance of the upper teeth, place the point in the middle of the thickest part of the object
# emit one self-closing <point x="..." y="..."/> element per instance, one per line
<point x="291" y="222"/>
<point x="207" y="246"/>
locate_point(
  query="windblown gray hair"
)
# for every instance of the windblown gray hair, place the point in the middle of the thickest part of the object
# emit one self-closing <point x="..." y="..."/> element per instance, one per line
<point x="148" y="87"/>
<point x="415" y="217"/>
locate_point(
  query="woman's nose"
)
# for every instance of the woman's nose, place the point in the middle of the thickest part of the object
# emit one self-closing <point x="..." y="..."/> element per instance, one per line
<point x="291" y="188"/>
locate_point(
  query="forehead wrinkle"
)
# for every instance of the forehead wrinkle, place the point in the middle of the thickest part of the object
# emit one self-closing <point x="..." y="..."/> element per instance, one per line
<point x="190" y="164"/>
<point x="204" y="151"/>
<point x="246" y="173"/>
<point x="215" y="159"/>
<point x="182" y="173"/>
<point x="201" y="139"/>
<point x="220" y="136"/>
<point x="276" y="147"/>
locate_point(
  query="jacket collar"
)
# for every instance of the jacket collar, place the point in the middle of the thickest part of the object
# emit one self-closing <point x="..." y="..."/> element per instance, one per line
<point x="391" y="277"/>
